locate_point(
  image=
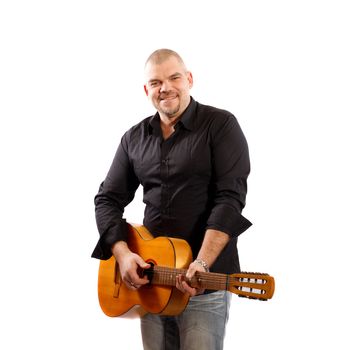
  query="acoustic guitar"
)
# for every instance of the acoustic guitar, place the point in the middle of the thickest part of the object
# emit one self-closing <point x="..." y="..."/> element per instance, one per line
<point x="168" y="257"/>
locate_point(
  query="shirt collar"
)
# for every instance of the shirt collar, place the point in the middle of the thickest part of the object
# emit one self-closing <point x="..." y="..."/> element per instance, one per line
<point x="186" y="120"/>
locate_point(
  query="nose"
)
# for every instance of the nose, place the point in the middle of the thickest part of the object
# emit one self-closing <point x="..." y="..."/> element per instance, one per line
<point x="165" y="86"/>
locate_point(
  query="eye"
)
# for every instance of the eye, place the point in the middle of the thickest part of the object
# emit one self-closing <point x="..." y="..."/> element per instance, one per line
<point x="154" y="83"/>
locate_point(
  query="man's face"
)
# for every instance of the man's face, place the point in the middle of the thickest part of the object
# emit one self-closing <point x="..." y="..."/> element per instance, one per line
<point x="168" y="86"/>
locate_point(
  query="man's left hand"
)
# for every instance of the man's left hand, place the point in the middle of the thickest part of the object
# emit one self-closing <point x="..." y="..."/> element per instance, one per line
<point x="183" y="282"/>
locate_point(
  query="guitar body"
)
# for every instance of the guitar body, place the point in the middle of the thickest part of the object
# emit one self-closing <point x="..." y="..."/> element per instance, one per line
<point x="117" y="300"/>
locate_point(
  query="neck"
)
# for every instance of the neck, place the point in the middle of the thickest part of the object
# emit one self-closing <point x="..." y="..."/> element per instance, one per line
<point x="167" y="126"/>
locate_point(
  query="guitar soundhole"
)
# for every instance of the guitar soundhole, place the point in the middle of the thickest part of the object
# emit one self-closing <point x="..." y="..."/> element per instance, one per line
<point x="148" y="272"/>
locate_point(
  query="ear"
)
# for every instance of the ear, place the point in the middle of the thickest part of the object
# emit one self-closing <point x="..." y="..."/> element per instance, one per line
<point x="146" y="90"/>
<point x="190" y="79"/>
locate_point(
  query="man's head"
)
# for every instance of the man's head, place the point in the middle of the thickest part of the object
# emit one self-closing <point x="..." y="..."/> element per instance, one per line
<point x="168" y="83"/>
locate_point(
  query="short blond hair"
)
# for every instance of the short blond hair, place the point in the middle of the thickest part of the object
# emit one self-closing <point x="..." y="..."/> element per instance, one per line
<point x="161" y="55"/>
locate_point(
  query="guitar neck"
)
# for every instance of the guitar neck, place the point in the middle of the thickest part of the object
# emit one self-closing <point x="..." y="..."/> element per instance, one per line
<point x="246" y="284"/>
<point x="207" y="280"/>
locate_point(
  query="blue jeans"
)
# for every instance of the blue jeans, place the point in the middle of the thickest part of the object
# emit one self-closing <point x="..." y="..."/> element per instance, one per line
<point x="200" y="326"/>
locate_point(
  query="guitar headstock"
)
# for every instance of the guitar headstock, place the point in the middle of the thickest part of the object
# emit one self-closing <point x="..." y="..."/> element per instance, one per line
<point x="252" y="285"/>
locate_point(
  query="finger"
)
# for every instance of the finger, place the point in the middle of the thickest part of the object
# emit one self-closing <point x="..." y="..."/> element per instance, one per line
<point x="134" y="277"/>
<point x="142" y="263"/>
<point x="191" y="291"/>
<point x="190" y="272"/>
<point x="184" y="287"/>
<point x="134" y="285"/>
<point x="129" y="281"/>
<point x="200" y="291"/>
<point x="192" y="269"/>
<point x="137" y="280"/>
<point x="130" y="285"/>
<point x="178" y="283"/>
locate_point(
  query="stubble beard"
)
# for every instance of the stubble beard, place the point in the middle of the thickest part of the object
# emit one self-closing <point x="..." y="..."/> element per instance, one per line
<point x="169" y="111"/>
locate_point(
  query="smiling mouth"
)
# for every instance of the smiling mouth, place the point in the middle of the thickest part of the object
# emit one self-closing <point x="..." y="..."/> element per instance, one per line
<point x="168" y="98"/>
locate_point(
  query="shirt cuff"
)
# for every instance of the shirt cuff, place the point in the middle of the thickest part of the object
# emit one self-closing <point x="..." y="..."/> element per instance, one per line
<point x="226" y="219"/>
<point x="119" y="232"/>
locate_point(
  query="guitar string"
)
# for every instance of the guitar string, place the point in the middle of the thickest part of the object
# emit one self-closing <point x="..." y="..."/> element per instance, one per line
<point x="257" y="276"/>
<point x="245" y="288"/>
<point x="224" y="280"/>
<point x="209" y="275"/>
<point x="167" y="275"/>
<point x="204" y="276"/>
<point x="242" y="274"/>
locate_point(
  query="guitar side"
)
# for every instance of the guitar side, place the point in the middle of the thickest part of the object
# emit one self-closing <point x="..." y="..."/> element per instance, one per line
<point x="117" y="300"/>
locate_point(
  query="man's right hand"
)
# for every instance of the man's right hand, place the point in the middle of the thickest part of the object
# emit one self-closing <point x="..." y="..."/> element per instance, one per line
<point x="129" y="264"/>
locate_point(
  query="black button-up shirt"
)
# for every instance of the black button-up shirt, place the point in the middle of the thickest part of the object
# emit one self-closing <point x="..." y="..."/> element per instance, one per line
<point x="192" y="181"/>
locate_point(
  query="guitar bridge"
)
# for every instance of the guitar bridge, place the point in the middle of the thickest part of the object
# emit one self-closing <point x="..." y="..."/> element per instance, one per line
<point x="117" y="281"/>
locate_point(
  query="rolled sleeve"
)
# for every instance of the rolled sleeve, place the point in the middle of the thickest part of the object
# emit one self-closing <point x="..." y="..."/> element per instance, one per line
<point x="231" y="169"/>
<point x="226" y="220"/>
<point x="114" y="194"/>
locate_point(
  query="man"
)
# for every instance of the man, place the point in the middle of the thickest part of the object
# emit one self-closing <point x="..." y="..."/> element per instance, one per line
<point x="192" y="161"/>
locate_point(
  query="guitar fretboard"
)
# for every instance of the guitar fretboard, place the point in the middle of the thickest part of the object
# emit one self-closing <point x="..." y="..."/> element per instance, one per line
<point x="207" y="280"/>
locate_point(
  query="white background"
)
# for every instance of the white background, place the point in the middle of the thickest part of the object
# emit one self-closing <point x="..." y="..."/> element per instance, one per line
<point x="71" y="76"/>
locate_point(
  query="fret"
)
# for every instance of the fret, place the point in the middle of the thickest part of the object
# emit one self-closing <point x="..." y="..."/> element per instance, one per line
<point x="207" y="280"/>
